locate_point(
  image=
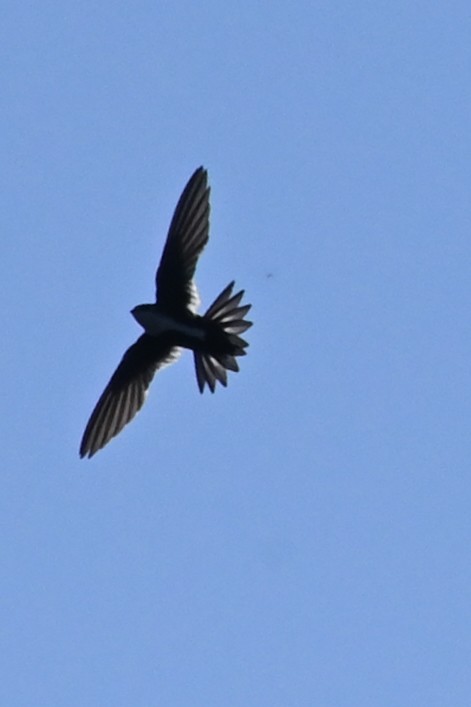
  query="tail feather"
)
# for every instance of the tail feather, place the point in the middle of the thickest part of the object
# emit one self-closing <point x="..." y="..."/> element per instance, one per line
<point x="212" y="366"/>
<point x="209" y="370"/>
<point x="228" y="362"/>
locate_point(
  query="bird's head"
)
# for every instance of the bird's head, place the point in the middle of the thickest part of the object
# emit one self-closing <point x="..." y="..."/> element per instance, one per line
<point x="152" y="319"/>
<point x="143" y="314"/>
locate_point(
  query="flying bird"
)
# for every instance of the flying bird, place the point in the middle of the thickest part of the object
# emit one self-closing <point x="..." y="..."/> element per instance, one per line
<point x="171" y="323"/>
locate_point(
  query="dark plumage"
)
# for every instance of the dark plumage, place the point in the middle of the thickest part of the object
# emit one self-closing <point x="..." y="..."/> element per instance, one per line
<point x="172" y="323"/>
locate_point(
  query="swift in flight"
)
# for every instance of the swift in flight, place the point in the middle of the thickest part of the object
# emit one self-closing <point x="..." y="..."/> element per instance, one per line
<point x="171" y="323"/>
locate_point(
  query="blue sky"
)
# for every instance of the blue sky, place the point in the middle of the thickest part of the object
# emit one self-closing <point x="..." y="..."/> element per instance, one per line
<point x="303" y="537"/>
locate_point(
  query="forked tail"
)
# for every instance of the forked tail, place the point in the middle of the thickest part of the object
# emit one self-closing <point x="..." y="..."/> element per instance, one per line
<point x="227" y="319"/>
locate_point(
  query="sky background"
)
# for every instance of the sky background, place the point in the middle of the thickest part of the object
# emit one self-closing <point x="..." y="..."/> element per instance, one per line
<point x="302" y="538"/>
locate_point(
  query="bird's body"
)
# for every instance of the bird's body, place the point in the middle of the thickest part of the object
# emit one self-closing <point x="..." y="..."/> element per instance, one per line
<point x="157" y="322"/>
<point x="171" y="323"/>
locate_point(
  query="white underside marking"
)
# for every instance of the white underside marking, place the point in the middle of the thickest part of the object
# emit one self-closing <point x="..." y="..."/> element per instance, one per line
<point x="194" y="298"/>
<point x="174" y="355"/>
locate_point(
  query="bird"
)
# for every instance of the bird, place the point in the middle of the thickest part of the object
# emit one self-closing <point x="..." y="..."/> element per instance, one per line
<point x="172" y="324"/>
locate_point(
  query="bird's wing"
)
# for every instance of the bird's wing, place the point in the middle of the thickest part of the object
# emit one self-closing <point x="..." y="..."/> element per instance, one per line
<point x="126" y="391"/>
<point x="187" y="236"/>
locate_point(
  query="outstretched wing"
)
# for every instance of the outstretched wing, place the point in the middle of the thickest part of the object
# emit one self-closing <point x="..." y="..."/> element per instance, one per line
<point x="126" y="391"/>
<point x="187" y="236"/>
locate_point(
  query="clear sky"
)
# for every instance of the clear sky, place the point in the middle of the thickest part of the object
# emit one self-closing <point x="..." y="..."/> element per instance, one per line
<point x="303" y="538"/>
